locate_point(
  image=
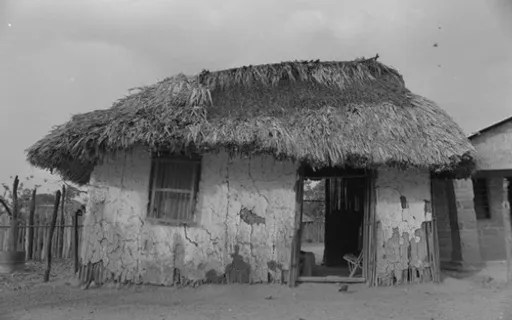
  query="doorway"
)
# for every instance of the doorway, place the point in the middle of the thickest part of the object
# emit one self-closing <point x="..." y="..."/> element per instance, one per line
<point x="334" y="227"/>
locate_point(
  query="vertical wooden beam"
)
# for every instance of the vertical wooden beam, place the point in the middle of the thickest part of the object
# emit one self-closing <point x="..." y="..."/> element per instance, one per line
<point x="14" y="217"/>
<point x="436" y="263"/>
<point x="366" y="210"/>
<point x="505" y="212"/>
<point x="49" y="238"/>
<point x="328" y="206"/>
<point x="30" y="231"/>
<point x="295" y="250"/>
<point x="60" y="245"/>
<point x="75" y="238"/>
<point x="373" y="230"/>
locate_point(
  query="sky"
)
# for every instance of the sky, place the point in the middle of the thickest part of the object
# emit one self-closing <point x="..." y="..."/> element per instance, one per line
<point x="63" y="57"/>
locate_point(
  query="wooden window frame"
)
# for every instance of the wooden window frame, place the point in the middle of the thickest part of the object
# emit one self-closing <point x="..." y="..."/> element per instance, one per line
<point x="157" y="160"/>
<point x="484" y="204"/>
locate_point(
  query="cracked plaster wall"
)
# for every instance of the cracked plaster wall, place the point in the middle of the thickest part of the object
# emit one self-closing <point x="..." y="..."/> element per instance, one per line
<point x="399" y="232"/>
<point x="244" y="207"/>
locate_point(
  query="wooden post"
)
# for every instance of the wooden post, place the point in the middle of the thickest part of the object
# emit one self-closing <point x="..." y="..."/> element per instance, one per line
<point x="75" y="238"/>
<point x="295" y="249"/>
<point x="366" y="232"/>
<point x="436" y="263"/>
<point x="14" y="217"/>
<point x="373" y="230"/>
<point x="505" y="212"/>
<point x="60" y="245"/>
<point x="30" y="231"/>
<point x="328" y="202"/>
<point x="49" y="238"/>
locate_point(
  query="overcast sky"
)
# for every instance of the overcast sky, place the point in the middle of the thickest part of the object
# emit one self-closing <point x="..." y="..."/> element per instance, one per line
<point x="62" y="57"/>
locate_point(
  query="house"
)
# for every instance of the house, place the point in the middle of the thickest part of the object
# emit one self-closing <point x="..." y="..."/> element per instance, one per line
<point x="484" y="232"/>
<point x="200" y="178"/>
<point x="494" y="163"/>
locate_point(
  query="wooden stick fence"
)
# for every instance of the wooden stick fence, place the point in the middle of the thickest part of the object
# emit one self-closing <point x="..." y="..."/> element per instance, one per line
<point x="313" y="232"/>
<point x="62" y="241"/>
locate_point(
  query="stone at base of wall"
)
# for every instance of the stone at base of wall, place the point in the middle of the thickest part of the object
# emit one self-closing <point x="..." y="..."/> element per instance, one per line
<point x="461" y="266"/>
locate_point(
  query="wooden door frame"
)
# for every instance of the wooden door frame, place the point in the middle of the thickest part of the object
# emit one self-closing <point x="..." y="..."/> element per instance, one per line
<point x="293" y="274"/>
<point x="369" y="226"/>
<point x="370" y="231"/>
<point x="435" y="258"/>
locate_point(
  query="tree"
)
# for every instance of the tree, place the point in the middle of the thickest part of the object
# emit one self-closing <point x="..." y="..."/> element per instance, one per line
<point x="314" y="199"/>
<point x="12" y="207"/>
<point x="23" y="196"/>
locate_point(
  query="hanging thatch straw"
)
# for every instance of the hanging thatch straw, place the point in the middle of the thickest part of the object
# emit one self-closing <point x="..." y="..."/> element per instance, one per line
<point x="356" y="113"/>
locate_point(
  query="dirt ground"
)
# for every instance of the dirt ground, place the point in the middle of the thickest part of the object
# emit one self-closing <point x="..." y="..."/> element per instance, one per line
<point x="23" y="296"/>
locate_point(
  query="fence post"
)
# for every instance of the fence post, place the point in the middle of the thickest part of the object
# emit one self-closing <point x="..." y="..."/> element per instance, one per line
<point x="30" y="226"/>
<point x="75" y="237"/>
<point x="14" y="217"/>
<point x="49" y="239"/>
<point x="61" y="229"/>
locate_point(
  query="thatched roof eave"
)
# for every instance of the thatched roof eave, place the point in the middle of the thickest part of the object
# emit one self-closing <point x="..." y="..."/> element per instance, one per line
<point x="356" y="113"/>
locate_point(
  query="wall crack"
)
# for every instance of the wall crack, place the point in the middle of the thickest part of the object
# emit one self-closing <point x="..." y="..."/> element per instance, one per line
<point x="187" y="237"/>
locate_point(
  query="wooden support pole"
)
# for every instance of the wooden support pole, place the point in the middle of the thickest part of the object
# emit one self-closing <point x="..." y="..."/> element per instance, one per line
<point x="505" y="212"/>
<point x="77" y="214"/>
<point x="14" y="217"/>
<point x="436" y="262"/>
<point x="295" y="249"/>
<point x="75" y="238"/>
<point x="30" y="231"/>
<point x="49" y="239"/>
<point x="327" y="211"/>
<point x="374" y="229"/>
<point x="60" y="245"/>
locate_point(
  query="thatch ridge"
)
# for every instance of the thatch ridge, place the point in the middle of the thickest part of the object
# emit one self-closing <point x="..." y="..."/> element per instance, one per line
<point x="356" y="113"/>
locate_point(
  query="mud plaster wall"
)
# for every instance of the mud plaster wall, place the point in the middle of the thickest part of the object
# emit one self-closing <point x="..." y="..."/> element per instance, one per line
<point x="245" y="215"/>
<point x="400" y="240"/>
<point x="494" y="152"/>
<point x="494" y="148"/>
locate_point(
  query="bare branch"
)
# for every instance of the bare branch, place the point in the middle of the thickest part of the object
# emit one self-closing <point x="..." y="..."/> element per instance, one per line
<point x="15" y="207"/>
<point x="2" y="201"/>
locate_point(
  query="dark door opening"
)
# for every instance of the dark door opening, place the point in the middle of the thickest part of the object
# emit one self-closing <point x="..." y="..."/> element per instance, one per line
<point x="332" y="225"/>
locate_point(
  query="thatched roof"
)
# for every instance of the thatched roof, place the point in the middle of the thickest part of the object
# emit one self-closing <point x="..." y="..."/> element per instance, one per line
<point x="357" y="113"/>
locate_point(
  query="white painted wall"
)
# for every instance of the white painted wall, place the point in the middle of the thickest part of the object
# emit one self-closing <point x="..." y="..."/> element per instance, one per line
<point x="494" y="148"/>
<point x="133" y="249"/>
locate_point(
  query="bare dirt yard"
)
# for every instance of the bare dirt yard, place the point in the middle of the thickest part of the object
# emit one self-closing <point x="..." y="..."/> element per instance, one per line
<point x="23" y="296"/>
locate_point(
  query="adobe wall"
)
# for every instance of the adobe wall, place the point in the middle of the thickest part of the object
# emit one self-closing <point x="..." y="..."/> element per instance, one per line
<point x="246" y="217"/>
<point x="401" y="240"/>
<point x="494" y="152"/>
<point x="494" y="148"/>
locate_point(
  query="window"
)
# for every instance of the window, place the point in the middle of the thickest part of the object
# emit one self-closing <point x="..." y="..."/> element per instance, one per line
<point x="481" y="198"/>
<point x="174" y="186"/>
